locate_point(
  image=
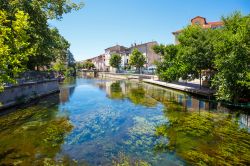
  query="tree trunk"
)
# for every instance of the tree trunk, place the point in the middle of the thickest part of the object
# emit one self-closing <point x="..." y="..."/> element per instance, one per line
<point x="200" y="79"/>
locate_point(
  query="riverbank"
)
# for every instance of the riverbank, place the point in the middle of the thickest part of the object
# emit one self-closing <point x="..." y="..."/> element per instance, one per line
<point x="152" y="79"/>
<point x="186" y="87"/>
<point x="23" y="93"/>
<point x="126" y="76"/>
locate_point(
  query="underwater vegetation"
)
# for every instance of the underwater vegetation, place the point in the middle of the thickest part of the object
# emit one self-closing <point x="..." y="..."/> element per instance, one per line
<point x="124" y="160"/>
<point x="32" y="135"/>
<point x="141" y="137"/>
<point x="205" y="138"/>
<point x="93" y="126"/>
<point x="123" y="123"/>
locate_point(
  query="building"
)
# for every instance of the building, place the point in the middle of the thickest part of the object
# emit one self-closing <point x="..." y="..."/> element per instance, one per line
<point x="147" y="50"/>
<point x="101" y="62"/>
<point x="117" y="49"/>
<point x="201" y="21"/>
<point x="98" y="61"/>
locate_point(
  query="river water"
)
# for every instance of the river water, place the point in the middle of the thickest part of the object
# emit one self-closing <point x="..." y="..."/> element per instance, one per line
<point x="108" y="122"/>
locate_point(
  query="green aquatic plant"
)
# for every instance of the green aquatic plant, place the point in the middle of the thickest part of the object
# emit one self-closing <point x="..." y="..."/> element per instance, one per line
<point x="124" y="160"/>
<point x="141" y="137"/>
<point x="204" y="138"/>
<point x="95" y="126"/>
<point x="54" y="133"/>
<point x="31" y="135"/>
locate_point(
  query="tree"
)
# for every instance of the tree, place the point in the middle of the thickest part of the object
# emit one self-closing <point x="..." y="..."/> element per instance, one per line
<point x="137" y="59"/>
<point x="225" y="52"/>
<point x="14" y="45"/>
<point x="65" y="66"/>
<point x="26" y="39"/>
<point x="88" y="65"/>
<point x="71" y="64"/>
<point x="233" y="59"/>
<point x="197" y="50"/>
<point x="59" y="67"/>
<point x="79" y="65"/>
<point x="169" y="68"/>
<point x="43" y="39"/>
<point x="115" y="61"/>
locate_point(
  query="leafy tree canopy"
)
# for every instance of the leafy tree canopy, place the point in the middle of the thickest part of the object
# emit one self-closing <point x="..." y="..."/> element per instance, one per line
<point x="86" y="65"/>
<point x="14" y="45"/>
<point x="26" y="39"/>
<point x="224" y="52"/>
<point x="137" y="59"/>
<point x="115" y="60"/>
<point x="233" y="58"/>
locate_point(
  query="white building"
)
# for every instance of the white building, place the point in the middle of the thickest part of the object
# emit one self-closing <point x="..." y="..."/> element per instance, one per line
<point x="121" y="50"/>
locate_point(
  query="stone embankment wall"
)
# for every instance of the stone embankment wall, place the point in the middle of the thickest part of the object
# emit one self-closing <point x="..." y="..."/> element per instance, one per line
<point x="112" y="75"/>
<point x="126" y="76"/>
<point x="18" y="94"/>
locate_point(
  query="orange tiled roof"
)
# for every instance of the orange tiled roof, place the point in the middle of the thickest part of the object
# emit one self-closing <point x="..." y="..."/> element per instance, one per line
<point x="216" y="23"/>
<point x="207" y="25"/>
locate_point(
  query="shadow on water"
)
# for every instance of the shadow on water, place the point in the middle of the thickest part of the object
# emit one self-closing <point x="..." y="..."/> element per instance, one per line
<point x="104" y="122"/>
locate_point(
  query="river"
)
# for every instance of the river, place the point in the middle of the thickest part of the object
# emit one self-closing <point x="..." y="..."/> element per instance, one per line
<point x="108" y="122"/>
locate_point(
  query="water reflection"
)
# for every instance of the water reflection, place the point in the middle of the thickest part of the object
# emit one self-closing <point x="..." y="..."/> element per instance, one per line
<point x="138" y="92"/>
<point x="67" y="89"/>
<point x="116" y="91"/>
<point x="149" y="95"/>
<point x="132" y="91"/>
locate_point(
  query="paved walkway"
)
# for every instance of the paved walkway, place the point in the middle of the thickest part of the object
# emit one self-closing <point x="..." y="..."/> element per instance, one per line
<point x="187" y="87"/>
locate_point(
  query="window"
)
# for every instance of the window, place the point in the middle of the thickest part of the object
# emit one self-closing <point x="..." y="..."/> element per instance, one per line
<point x="197" y="23"/>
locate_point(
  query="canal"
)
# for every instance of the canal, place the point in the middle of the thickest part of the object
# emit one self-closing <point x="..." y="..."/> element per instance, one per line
<point x="108" y="122"/>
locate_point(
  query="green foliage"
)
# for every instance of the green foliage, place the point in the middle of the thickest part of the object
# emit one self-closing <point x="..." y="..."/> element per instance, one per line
<point x="223" y="52"/>
<point x="14" y="45"/>
<point x="233" y="59"/>
<point x="52" y="9"/>
<point x="197" y="50"/>
<point x="115" y="60"/>
<point x="86" y="65"/>
<point x="26" y="40"/>
<point x="65" y="65"/>
<point x="59" y="66"/>
<point x="137" y="59"/>
<point x="169" y="69"/>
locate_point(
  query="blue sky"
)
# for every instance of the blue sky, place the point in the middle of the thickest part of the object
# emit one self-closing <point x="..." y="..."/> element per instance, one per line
<point x="104" y="23"/>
